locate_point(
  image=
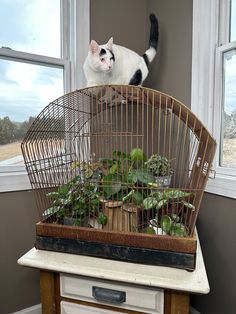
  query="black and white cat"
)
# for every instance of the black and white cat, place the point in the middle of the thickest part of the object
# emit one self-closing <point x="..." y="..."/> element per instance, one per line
<point x="113" y="64"/>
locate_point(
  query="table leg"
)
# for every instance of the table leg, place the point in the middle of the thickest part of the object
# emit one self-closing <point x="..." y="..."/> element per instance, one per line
<point x="176" y="302"/>
<point x="47" y="292"/>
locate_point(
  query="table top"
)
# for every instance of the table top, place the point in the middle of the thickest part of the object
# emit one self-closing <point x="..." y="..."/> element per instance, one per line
<point x="139" y="274"/>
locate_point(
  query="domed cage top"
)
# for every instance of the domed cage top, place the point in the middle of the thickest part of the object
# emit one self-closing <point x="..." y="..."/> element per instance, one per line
<point x="120" y="158"/>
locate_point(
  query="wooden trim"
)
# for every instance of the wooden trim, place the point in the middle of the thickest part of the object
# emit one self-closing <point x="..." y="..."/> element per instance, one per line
<point x="165" y="243"/>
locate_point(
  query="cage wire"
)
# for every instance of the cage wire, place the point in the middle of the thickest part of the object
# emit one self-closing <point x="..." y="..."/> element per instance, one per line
<point x="122" y="158"/>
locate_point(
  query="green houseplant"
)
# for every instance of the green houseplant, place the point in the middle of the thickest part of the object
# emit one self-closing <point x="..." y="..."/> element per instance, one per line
<point x="74" y="202"/>
<point x="123" y="188"/>
<point x="123" y="184"/>
<point x="125" y="175"/>
<point x="164" y="222"/>
<point x="161" y="169"/>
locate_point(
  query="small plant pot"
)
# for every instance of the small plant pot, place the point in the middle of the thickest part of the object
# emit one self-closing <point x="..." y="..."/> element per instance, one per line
<point x="121" y="216"/>
<point x="163" y="181"/>
<point x="113" y="211"/>
<point x="159" y="231"/>
<point x="69" y="221"/>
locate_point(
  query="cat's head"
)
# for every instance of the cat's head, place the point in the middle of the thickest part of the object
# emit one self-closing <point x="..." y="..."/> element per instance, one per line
<point x="101" y="57"/>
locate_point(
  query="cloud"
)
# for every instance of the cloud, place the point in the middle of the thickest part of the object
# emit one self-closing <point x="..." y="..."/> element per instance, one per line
<point x="30" y="26"/>
<point x="230" y="83"/>
<point x="26" y="89"/>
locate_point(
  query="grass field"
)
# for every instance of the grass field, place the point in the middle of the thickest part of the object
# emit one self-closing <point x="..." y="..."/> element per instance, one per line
<point x="8" y="151"/>
<point x="229" y="152"/>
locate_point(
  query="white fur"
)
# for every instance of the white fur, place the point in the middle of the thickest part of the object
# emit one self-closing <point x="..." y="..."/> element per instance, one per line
<point x="120" y="71"/>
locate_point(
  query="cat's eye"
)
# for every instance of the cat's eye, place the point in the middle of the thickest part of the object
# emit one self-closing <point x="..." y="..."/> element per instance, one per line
<point x="102" y="59"/>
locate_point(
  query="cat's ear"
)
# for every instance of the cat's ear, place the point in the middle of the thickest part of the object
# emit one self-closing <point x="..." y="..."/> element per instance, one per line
<point x="110" y="43"/>
<point x="93" y="46"/>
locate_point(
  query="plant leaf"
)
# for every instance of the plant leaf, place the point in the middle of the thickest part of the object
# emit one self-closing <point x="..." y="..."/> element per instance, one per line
<point x="137" y="155"/>
<point x="113" y="169"/>
<point x="50" y="211"/>
<point x="176" y="194"/>
<point x="118" y="154"/>
<point x="144" y="176"/>
<point x="111" y="184"/>
<point x="178" y="229"/>
<point x="166" y="223"/>
<point x="149" y="202"/>
<point x="188" y="205"/>
<point x="53" y="195"/>
<point x="161" y="203"/>
<point x="137" y="198"/>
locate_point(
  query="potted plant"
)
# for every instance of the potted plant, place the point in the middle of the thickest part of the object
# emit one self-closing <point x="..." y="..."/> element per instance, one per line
<point x="173" y="203"/>
<point x="121" y="189"/>
<point x="74" y="203"/>
<point x="161" y="169"/>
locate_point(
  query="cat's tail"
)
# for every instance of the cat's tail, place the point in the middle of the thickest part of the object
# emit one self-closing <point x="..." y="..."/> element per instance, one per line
<point x="153" y="40"/>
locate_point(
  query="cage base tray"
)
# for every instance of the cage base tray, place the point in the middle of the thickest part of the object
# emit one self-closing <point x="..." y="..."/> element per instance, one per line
<point x="117" y="252"/>
<point x="123" y="246"/>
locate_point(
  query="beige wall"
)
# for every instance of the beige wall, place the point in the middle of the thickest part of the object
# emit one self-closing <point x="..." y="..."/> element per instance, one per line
<point x="171" y="70"/>
<point x="217" y="231"/>
<point x="19" y="287"/>
<point x="125" y="20"/>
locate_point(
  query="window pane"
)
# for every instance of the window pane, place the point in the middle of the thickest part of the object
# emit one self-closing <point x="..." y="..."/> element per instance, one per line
<point x="31" y="26"/>
<point x="228" y="140"/>
<point x="233" y="21"/>
<point x="25" y="89"/>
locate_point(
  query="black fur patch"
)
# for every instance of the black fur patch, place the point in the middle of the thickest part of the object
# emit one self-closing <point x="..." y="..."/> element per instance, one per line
<point x="137" y="78"/>
<point x="112" y="55"/>
<point x="154" y="31"/>
<point x="145" y="57"/>
<point x="102" y="52"/>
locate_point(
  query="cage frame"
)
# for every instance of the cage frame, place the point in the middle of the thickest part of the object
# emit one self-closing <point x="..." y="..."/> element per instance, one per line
<point x="158" y="243"/>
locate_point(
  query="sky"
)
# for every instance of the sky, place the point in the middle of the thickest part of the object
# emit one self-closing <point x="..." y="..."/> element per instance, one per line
<point x="230" y="67"/>
<point x="29" y="26"/>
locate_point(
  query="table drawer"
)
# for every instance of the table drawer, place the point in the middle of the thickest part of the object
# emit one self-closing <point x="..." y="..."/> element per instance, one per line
<point x="72" y="308"/>
<point x="127" y="296"/>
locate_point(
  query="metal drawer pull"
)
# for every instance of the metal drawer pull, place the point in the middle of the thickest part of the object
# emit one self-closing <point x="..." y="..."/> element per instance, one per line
<point x="109" y="295"/>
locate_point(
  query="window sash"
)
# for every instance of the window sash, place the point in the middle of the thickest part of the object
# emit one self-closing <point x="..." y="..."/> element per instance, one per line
<point x="206" y="87"/>
<point x="75" y="40"/>
<point x="217" y="131"/>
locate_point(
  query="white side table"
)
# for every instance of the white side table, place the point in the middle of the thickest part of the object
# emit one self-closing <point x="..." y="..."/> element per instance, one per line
<point x="82" y="284"/>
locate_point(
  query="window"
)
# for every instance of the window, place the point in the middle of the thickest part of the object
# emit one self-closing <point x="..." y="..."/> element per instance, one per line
<point x="227" y="149"/>
<point x="214" y="84"/>
<point x="42" y="50"/>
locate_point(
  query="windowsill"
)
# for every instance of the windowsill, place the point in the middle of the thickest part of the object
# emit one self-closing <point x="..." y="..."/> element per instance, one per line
<point x="14" y="181"/>
<point x="19" y="181"/>
<point x="222" y="185"/>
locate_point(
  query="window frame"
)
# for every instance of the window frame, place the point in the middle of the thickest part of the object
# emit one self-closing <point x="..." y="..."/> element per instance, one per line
<point x="206" y="87"/>
<point x="75" y="31"/>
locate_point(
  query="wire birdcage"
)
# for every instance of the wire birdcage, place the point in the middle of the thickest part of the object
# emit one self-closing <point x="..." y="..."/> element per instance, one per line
<point x="119" y="158"/>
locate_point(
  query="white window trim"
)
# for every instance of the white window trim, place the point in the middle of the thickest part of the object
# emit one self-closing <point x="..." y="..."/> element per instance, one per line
<point x="75" y="37"/>
<point x="204" y="96"/>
